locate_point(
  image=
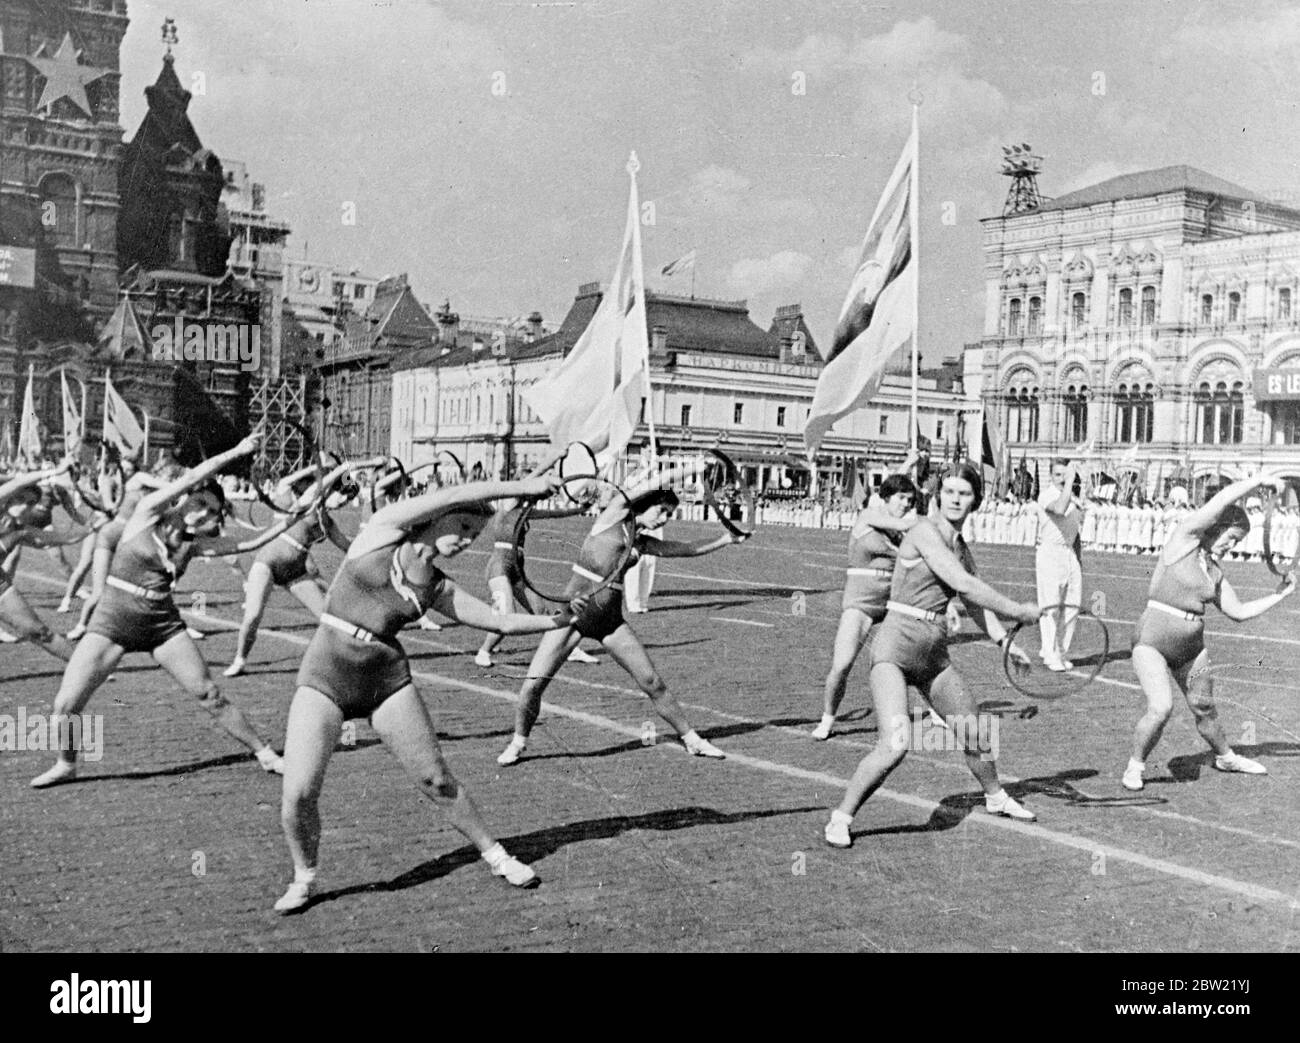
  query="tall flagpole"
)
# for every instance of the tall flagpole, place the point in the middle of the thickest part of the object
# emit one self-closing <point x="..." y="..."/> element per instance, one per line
<point x="638" y="284"/>
<point x="914" y="217"/>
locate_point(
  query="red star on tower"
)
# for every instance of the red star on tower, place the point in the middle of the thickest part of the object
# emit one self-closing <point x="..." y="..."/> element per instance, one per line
<point x="65" y="76"/>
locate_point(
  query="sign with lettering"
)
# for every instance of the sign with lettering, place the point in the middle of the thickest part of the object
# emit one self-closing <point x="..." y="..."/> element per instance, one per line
<point x="17" y="266"/>
<point x="1277" y="385"/>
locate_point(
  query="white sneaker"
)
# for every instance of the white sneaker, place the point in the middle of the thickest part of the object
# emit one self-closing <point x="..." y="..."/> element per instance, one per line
<point x="482" y="659"/>
<point x="197" y="635"/>
<point x="272" y="763"/>
<point x="1132" y="779"/>
<point x="516" y="873"/>
<point x="1008" y="807"/>
<point x="579" y="656"/>
<point x="512" y="752"/>
<point x="61" y="772"/>
<point x="428" y="624"/>
<point x="703" y="748"/>
<point x="234" y="669"/>
<point x="1236" y="762"/>
<point x="837" y="833"/>
<point x="823" y="731"/>
<point x="6" y="637"/>
<point x="65" y="606"/>
<point x="298" y="895"/>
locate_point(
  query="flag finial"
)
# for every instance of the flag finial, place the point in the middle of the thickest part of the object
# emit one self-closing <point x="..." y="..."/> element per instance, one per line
<point x="633" y="164"/>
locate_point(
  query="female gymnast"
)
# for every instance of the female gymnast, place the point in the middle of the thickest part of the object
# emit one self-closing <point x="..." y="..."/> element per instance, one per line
<point x="137" y="613"/>
<point x="287" y="562"/>
<point x="911" y="648"/>
<point x="355" y="667"/>
<point x="873" y="549"/>
<point x="601" y="617"/>
<point x="1168" y="639"/>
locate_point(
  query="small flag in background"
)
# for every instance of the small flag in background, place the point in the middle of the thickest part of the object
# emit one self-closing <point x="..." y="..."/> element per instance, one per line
<point x="29" y="433"/>
<point x="120" y="426"/>
<point x="685" y="263"/>
<point x="71" y="419"/>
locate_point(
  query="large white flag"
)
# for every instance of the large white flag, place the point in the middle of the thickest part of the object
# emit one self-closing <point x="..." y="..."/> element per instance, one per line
<point x="595" y="395"/>
<point x="29" y="432"/>
<point x="877" y="318"/>
<point x="72" y="425"/>
<point x="120" y="426"/>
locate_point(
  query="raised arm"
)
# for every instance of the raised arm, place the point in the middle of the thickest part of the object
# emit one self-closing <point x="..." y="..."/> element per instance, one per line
<point x="224" y="546"/>
<point x="156" y="501"/>
<point x="23" y="481"/>
<point x="1062" y="503"/>
<point x="874" y="516"/>
<point x="413" y="513"/>
<point x="1203" y="518"/>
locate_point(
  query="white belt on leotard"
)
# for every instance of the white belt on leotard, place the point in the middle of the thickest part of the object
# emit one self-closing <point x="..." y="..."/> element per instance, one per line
<point x="351" y="629"/>
<point x="1169" y="610"/>
<point x="911" y="610"/>
<point x="877" y="573"/>
<point x="292" y="542"/>
<point x="588" y="574"/>
<point x="140" y="592"/>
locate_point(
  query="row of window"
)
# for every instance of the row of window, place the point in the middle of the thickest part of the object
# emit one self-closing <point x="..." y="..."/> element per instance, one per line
<point x="1220" y="414"/>
<point x="1015" y="327"/>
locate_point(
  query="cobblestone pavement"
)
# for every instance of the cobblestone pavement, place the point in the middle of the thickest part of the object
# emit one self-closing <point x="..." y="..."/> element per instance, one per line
<point x="172" y="840"/>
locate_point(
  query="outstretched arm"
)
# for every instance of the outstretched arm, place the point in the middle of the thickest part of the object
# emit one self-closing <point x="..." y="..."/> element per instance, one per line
<point x="224" y="546"/>
<point x="466" y="608"/>
<point x="1203" y="518"/>
<point x="1240" y="611"/>
<point x="972" y="590"/>
<point x="156" y="501"/>
<point x="676" y="549"/>
<point x="411" y="514"/>
<point x="23" y="481"/>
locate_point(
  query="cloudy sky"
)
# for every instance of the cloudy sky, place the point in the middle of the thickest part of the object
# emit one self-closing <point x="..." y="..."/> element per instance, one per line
<point x="483" y="144"/>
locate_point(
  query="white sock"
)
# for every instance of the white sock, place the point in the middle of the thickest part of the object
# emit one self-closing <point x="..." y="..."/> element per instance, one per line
<point x="828" y="719"/>
<point x="1135" y="766"/>
<point x="841" y="816"/>
<point x="495" y="855"/>
<point x="266" y="755"/>
<point x="304" y="876"/>
<point x="519" y="740"/>
<point x="996" y="798"/>
<point x="691" y="737"/>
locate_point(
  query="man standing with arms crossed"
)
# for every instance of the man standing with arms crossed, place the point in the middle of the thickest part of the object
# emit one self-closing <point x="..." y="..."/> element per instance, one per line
<point x="1058" y="563"/>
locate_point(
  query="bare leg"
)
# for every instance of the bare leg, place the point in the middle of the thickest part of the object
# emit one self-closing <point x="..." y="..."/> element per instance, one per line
<point x="19" y="618"/>
<point x="1153" y="674"/>
<point x="92" y="661"/>
<point x="181" y="658"/>
<point x="1198" y="689"/>
<point x="310" y="736"/>
<point x="103" y="558"/>
<point x="79" y="572"/>
<point x="949" y="696"/>
<point x="849" y="639"/>
<point x="310" y="594"/>
<point x="551" y="653"/>
<point x="257" y="591"/>
<point x="403" y="724"/>
<point x="889" y="694"/>
<point x="503" y="602"/>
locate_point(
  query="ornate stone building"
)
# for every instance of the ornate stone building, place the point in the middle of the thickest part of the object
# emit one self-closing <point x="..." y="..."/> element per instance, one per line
<point x="1154" y="314"/>
<point x="718" y="380"/>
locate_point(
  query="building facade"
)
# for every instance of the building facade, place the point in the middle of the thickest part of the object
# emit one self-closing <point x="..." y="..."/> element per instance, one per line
<point x="718" y="381"/>
<point x="1155" y="316"/>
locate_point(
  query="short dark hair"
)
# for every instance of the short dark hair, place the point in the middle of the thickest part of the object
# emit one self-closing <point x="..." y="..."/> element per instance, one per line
<point x="895" y="484"/>
<point x="653" y="498"/>
<point x="1233" y="517"/>
<point x="969" y="472"/>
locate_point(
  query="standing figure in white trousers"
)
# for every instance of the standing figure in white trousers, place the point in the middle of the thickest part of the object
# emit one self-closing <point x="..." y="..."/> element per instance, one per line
<point x="1057" y="563"/>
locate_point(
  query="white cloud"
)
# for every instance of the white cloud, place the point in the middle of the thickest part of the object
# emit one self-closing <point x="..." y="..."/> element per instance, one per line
<point x="755" y="276"/>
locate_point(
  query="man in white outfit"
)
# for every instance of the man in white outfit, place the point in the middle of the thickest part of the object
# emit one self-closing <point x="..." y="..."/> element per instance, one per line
<point x="1057" y="563"/>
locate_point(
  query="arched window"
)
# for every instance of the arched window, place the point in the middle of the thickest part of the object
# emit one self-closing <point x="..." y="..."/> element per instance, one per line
<point x="1234" y="306"/>
<point x="1075" y="413"/>
<point x="1035" y="315"/>
<point x="1284" y="303"/>
<point x="1022" y="414"/>
<point x="1078" y="311"/>
<point x="1134" y="412"/>
<point x="1220" y="413"/>
<point x="59" y="210"/>
<point x="1125" y="307"/>
<point x="1148" y="305"/>
<point x="1207" y="307"/>
<point x="1013" y="317"/>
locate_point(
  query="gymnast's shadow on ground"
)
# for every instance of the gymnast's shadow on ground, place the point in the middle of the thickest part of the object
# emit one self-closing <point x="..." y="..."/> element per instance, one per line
<point x="540" y="844"/>
<point x="1188" y="767"/>
<point x="1060" y="787"/>
<point x="752" y="592"/>
<point x="163" y="773"/>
